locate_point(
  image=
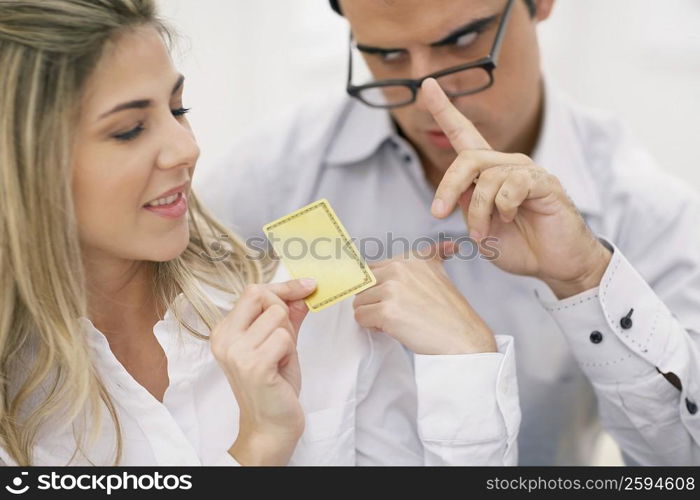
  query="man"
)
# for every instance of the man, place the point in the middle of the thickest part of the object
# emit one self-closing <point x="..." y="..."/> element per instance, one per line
<point x="613" y="321"/>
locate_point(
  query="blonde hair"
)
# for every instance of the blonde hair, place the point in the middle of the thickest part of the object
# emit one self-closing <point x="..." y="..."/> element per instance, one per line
<point x="47" y="52"/>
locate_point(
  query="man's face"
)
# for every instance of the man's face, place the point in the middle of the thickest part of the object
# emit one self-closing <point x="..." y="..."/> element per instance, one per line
<point x="413" y="38"/>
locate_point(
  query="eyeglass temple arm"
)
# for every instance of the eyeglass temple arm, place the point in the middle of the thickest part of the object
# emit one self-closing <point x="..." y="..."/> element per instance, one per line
<point x="350" y="60"/>
<point x="499" y="34"/>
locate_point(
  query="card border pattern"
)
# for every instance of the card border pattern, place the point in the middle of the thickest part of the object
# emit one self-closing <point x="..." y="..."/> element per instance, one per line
<point x="323" y="203"/>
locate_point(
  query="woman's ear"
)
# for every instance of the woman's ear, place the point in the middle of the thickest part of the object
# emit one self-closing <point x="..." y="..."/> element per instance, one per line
<point x="543" y="9"/>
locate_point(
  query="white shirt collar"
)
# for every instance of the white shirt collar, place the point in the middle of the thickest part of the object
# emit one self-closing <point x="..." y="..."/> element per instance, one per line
<point x="163" y="328"/>
<point x="360" y="133"/>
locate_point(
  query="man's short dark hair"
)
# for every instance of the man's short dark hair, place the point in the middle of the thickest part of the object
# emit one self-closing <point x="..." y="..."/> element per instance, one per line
<point x="335" y="5"/>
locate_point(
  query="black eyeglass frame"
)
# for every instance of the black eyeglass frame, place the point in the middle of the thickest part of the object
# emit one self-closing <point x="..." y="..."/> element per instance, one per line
<point x="488" y="64"/>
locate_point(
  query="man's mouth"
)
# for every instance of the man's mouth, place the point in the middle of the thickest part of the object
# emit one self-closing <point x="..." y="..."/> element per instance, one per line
<point x="438" y="139"/>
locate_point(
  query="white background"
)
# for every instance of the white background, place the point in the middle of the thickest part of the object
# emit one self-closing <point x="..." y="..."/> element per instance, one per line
<point x="245" y="59"/>
<point x="640" y="58"/>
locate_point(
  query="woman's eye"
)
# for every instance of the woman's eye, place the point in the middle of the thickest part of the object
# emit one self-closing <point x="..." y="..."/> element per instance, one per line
<point x="136" y="131"/>
<point x="131" y="134"/>
<point x="466" y="39"/>
<point x="180" y="111"/>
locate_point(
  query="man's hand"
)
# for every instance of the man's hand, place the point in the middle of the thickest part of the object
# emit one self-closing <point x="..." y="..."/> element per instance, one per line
<point x="415" y="302"/>
<point x="538" y="229"/>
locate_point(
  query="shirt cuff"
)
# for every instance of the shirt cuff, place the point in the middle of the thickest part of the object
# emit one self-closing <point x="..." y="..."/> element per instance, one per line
<point x="620" y="331"/>
<point x="468" y="397"/>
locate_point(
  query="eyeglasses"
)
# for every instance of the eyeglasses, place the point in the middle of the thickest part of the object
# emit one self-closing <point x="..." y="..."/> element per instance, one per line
<point x="457" y="81"/>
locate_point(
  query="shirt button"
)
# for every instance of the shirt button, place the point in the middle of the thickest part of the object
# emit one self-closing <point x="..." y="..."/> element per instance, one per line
<point x="692" y="407"/>
<point x="596" y="337"/>
<point x="407" y="158"/>
<point x="626" y="321"/>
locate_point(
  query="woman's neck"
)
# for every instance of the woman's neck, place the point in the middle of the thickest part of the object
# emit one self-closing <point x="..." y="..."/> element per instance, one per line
<point x="122" y="305"/>
<point x="120" y="294"/>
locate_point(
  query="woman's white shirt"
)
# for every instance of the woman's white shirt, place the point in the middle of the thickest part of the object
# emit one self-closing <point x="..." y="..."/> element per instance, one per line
<point x="367" y="402"/>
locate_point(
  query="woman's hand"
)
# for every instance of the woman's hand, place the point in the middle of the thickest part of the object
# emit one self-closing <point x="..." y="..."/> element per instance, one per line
<point x="415" y="302"/>
<point x="255" y="344"/>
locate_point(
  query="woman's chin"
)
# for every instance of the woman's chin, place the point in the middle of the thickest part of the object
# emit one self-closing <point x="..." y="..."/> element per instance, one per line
<point x="166" y="255"/>
<point x="164" y="251"/>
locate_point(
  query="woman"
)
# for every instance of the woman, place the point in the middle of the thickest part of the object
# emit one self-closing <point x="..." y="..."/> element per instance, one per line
<point x="118" y="341"/>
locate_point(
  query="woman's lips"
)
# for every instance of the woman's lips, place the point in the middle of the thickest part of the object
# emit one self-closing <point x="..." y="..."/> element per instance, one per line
<point x="173" y="210"/>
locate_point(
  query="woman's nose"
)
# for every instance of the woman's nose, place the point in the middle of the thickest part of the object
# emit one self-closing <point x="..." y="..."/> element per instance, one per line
<point x="179" y="147"/>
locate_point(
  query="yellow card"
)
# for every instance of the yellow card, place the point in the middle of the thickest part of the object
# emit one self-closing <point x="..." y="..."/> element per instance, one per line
<point x="312" y="243"/>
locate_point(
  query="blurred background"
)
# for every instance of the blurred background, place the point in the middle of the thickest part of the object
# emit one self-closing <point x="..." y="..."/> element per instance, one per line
<point x="639" y="58"/>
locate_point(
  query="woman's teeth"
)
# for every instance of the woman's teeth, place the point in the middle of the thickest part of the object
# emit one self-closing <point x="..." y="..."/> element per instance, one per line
<point x="164" y="201"/>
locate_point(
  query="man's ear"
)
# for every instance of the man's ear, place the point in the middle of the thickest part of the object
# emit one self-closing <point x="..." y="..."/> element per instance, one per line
<point x="543" y="9"/>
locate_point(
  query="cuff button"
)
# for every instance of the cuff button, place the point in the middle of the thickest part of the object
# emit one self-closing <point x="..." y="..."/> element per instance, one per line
<point x="626" y="321"/>
<point x="596" y="337"/>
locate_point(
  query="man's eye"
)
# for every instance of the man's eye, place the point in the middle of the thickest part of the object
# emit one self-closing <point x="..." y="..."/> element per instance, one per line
<point x="392" y="57"/>
<point x="131" y="134"/>
<point x="466" y="39"/>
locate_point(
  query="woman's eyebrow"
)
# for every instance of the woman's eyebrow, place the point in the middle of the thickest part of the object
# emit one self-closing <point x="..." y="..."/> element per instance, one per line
<point x="137" y="104"/>
<point x="141" y="103"/>
<point x="178" y="84"/>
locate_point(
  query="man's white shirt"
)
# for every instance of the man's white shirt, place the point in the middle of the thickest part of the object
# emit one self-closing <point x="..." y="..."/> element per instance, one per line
<point x="352" y="155"/>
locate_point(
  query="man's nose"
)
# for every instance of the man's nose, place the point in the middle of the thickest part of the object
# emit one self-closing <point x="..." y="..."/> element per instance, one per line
<point x="422" y="64"/>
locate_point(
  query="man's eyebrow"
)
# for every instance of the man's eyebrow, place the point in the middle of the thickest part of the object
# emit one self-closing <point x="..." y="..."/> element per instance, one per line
<point x="368" y="49"/>
<point x="473" y="26"/>
<point x="141" y="103"/>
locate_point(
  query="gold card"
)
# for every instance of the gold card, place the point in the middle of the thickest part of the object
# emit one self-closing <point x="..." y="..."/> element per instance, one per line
<point x="312" y="243"/>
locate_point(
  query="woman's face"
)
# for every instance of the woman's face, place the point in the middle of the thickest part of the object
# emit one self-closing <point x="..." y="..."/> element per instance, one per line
<point x="134" y="154"/>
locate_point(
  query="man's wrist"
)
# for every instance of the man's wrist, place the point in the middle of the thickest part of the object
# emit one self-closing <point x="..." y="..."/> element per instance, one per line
<point x="590" y="278"/>
<point x="475" y="343"/>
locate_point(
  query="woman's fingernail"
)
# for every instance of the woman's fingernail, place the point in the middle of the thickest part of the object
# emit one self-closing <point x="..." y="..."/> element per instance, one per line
<point x="475" y="235"/>
<point x="438" y="206"/>
<point x="308" y="282"/>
